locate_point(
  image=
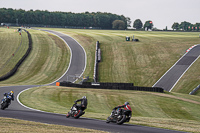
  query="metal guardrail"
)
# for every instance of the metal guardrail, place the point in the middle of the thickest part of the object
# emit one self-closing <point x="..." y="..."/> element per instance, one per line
<point x="97" y="59"/>
<point x="195" y="90"/>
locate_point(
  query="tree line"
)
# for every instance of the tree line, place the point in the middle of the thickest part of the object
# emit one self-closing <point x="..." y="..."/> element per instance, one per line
<point x="94" y="19"/>
<point x="183" y="26"/>
<point x="186" y="26"/>
<point x="138" y="25"/>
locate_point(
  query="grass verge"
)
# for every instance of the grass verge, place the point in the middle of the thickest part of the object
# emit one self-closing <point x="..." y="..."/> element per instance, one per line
<point x="164" y="110"/>
<point x="23" y="126"/>
<point x="13" y="48"/>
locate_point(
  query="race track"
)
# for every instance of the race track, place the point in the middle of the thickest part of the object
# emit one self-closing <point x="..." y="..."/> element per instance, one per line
<point x="77" y="66"/>
<point x="172" y="76"/>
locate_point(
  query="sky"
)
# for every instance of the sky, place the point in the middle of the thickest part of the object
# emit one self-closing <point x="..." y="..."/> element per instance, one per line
<point x="161" y="12"/>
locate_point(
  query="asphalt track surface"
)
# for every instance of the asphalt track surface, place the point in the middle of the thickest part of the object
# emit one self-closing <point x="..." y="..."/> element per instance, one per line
<point x="172" y="76"/>
<point x="18" y="111"/>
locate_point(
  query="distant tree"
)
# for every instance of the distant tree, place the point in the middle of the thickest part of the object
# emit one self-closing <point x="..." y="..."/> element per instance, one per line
<point x="137" y="24"/>
<point x="185" y="26"/>
<point x="128" y="22"/>
<point x="148" y="25"/>
<point x="197" y="26"/>
<point x="98" y="19"/>
<point x="118" y="24"/>
<point x="175" y="26"/>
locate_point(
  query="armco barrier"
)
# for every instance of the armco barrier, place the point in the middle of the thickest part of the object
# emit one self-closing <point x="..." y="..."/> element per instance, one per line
<point x="109" y="84"/>
<point x="13" y="71"/>
<point x="194" y="90"/>
<point x="114" y="86"/>
<point x="95" y="76"/>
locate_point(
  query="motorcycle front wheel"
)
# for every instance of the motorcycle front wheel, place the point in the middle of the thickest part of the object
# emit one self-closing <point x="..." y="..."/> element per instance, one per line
<point x="67" y="115"/>
<point x="4" y="105"/>
<point x="108" y="120"/>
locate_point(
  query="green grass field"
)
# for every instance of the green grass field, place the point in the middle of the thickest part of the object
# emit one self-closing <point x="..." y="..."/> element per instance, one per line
<point x="47" y="61"/>
<point x="164" y="110"/>
<point x="13" y="47"/>
<point x="141" y="63"/>
<point x="23" y="126"/>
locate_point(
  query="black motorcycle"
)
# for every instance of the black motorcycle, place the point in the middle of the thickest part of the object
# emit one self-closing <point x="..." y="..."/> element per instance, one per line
<point x="120" y="116"/>
<point x="6" y="102"/>
<point x="76" y="111"/>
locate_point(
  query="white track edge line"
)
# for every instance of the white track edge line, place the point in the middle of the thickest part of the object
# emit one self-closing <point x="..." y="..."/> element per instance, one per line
<point x="173" y="66"/>
<point x="57" y="79"/>
<point x="184" y="73"/>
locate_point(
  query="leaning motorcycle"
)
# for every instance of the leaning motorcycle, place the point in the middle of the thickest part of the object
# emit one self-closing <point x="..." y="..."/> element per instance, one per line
<point x="76" y="111"/>
<point x="6" y="102"/>
<point x="120" y="117"/>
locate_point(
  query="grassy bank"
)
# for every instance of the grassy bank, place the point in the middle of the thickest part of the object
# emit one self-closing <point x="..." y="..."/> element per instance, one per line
<point x="23" y="126"/>
<point x="141" y="63"/>
<point x="172" y="110"/>
<point x="13" y="47"/>
<point x="47" y="61"/>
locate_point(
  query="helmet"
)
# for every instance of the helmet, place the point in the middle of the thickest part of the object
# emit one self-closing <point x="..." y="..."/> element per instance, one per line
<point x="84" y="97"/>
<point x="11" y="92"/>
<point x="126" y="103"/>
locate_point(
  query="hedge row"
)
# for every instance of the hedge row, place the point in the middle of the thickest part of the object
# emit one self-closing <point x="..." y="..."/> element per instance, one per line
<point x="13" y="71"/>
<point x="114" y="86"/>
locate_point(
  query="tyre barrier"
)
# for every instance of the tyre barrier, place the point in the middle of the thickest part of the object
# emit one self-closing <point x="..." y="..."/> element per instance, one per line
<point x="114" y="86"/>
<point x="110" y="84"/>
<point x="13" y="71"/>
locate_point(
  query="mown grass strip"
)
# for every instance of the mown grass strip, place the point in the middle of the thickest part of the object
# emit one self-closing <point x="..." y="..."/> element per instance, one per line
<point x="14" y="49"/>
<point x="141" y="63"/>
<point x="48" y="60"/>
<point x="22" y="126"/>
<point x="168" y="110"/>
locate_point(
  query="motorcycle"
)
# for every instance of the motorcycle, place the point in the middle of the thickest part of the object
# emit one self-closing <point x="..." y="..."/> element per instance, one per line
<point x="76" y="111"/>
<point x="6" y="102"/>
<point x="119" y="116"/>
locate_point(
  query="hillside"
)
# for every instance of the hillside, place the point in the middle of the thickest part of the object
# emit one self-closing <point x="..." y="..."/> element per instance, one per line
<point x="141" y="63"/>
<point x="47" y="61"/>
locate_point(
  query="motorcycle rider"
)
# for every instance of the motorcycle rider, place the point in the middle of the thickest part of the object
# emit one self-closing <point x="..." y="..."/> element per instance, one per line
<point x="11" y="94"/>
<point x="117" y="109"/>
<point x="83" y="104"/>
<point x="83" y="101"/>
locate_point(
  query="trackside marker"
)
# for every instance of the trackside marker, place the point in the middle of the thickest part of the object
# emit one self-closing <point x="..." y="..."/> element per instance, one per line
<point x="191" y="48"/>
<point x="57" y="83"/>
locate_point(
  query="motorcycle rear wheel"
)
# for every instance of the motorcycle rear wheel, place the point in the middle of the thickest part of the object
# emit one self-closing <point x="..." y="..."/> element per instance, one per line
<point x="77" y="115"/>
<point x="121" y="120"/>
